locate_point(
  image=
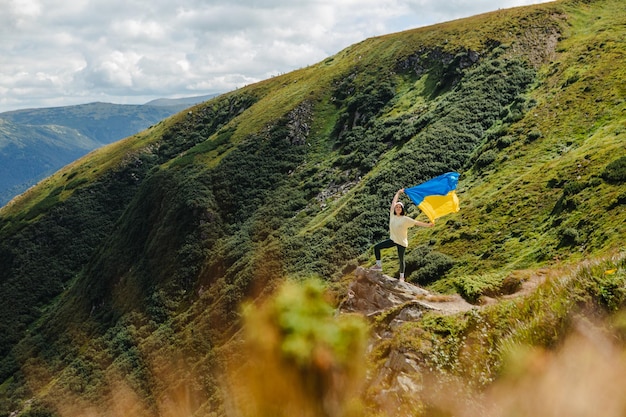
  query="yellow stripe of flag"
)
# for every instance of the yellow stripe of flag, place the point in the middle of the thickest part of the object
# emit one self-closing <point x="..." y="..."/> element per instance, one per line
<point x="435" y="206"/>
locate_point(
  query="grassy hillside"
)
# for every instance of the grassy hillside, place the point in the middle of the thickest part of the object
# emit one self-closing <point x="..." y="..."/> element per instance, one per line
<point x="128" y="268"/>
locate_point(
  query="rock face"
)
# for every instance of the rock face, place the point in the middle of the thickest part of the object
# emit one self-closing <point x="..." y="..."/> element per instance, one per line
<point x="299" y="124"/>
<point x="394" y="302"/>
<point x="372" y="292"/>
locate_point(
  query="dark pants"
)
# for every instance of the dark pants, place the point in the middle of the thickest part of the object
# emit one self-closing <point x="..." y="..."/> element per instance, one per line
<point x="385" y="244"/>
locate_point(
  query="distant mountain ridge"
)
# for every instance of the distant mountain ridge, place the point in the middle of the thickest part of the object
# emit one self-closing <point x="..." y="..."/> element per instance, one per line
<point x="34" y="143"/>
<point x="184" y="101"/>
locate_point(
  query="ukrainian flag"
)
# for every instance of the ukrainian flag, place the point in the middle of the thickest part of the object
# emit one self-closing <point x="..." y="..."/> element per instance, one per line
<point x="436" y="197"/>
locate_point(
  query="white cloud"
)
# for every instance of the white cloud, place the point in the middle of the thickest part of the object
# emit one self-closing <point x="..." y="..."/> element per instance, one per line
<point x="55" y="52"/>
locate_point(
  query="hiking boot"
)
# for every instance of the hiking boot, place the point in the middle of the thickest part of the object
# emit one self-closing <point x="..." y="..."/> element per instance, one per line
<point x="376" y="267"/>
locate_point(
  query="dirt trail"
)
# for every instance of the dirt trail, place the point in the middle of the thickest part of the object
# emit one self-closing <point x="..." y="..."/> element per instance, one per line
<point x="452" y="304"/>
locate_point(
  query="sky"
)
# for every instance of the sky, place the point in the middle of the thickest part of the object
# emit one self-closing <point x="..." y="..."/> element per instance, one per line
<point x="61" y="53"/>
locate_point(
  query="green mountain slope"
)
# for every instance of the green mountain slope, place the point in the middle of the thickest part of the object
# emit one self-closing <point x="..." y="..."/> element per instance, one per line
<point x="34" y="143"/>
<point x="127" y="268"/>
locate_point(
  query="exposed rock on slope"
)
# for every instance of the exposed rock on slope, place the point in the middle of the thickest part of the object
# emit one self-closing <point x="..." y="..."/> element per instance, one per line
<point x="390" y="303"/>
<point x="373" y="292"/>
<point x="393" y="302"/>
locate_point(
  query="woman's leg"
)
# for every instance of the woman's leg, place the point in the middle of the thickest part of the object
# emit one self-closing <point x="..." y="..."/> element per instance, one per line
<point x="401" y="250"/>
<point x="382" y="245"/>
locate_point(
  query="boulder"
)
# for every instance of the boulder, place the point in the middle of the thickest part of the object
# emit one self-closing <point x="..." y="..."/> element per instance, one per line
<point x="373" y="292"/>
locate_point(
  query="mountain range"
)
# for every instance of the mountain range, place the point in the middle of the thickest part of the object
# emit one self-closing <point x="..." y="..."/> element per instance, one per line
<point x="217" y="262"/>
<point x="34" y="143"/>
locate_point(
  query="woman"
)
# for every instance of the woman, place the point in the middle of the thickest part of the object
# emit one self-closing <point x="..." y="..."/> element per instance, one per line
<point x="399" y="225"/>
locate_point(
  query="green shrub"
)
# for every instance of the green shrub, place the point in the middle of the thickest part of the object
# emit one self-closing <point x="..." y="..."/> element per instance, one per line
<point x="574" y="187"/>
<point x="486" y="158"/>
<point x="473" y="286"/>
<point x="533" y="135"/>
<point x="37" y="409"/>
<point x="619" y="200"/>
<point x="615" y="172"/>
<point x="605" y="282"/>
<point x="426" y="266"/>
<point x="505" y="141"/>
<point x="569" y="236"/>
<point x="611" y="289"/>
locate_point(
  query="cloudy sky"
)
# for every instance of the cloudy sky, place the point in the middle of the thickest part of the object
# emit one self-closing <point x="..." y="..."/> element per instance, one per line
<point x="60" y="52"/>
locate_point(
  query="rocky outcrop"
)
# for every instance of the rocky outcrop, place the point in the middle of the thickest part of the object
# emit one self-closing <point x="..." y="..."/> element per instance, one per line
<point x="389" y="303"/>
<point x="299" y="123"/>
<point x="372" y="292"/>
<point x="447" y="66"/>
